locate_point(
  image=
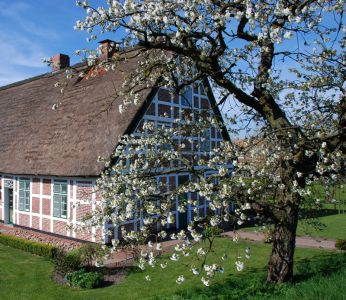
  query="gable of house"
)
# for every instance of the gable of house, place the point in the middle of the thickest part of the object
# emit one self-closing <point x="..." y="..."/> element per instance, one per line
<point x="163" y="110"/>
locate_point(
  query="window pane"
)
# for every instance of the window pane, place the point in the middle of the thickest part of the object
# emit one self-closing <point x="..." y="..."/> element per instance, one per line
<point x="64" y="188"/>
<point x="60" y="200"/>
<point x="205" y="141"/>
<point x="27" y="200"/>
<point x="27" y="185"/>
<point x="56" y="205"/>
<point x="21" y="184"/>
<point x="56" y="188"/>
<point x="186" y="97"/>
<point x="63" y="206"/>
<point x="21" y="200"/>
<point x="182" y="179"/>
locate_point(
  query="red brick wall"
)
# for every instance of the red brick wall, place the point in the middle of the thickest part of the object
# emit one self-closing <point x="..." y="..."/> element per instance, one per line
<point x="84" y="192"/>
<point x="47" y="187"/>
<point x="59" y="227"/>
<point x="46" y="224"/>
<point x="46" y="206"/>
<point x="24" y="220"/>
<point x="36" y="186"/>
<point x="35" y="204"/>
<point x="71" y="212"/>
<point x="45" y="221"/>
<point x="82" y="210"/>
<point x="83" y="235"/>
<point x="35" y="222"/>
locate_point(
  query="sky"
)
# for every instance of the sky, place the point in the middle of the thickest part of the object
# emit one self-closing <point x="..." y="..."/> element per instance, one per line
<point x="34" y="29"/>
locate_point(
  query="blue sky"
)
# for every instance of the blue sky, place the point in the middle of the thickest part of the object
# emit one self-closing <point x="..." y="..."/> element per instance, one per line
<point x="31" y="30"/>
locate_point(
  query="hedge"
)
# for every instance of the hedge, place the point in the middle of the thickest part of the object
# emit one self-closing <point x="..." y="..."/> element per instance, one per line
<point x="28" y="246"/>
<point x="340" y="244"/>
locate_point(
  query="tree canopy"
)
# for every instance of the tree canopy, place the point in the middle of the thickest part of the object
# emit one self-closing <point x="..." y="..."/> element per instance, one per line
<point x="278" y="65"/>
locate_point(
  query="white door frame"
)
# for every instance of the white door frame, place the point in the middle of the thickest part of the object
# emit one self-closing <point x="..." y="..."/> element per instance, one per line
<point x="8" y="185"/>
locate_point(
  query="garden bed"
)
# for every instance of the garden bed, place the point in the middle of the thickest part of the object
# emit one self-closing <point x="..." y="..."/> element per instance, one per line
<point x="111" y="276"/>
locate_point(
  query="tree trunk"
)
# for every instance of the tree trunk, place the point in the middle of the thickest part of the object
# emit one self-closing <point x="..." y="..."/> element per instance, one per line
<point x="280" y="266"/>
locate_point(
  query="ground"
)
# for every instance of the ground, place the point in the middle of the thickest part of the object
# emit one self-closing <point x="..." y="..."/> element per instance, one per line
<point x="25" y="276"/>
<point x="319" y="273"/>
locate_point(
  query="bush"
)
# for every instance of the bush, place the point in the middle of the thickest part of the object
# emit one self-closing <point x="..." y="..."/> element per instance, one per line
<point x="28" y="246"/>
<point x="91" y="253"/>
<point x="340" y="244"/>
<point x="84" y="256"/>
<point x="84" y="279"/>
<point x="66" y="262"/>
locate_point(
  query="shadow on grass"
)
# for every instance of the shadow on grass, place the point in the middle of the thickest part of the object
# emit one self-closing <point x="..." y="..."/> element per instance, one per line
<point x="324" y="265"/>
<point x="317" y="213"/>
<point x="251" y="284"/>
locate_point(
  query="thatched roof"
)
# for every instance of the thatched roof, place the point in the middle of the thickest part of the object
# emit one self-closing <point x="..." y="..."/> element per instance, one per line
<point x="37" y="140"/>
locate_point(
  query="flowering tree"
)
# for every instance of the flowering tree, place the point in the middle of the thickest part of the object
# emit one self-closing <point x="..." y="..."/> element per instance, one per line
<point x="281" y="62"/>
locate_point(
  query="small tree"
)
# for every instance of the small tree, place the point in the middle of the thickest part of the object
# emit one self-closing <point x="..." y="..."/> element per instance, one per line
<point x="283" y="64"/>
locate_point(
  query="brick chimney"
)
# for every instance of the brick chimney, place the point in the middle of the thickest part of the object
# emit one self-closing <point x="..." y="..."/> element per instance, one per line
<point x="60" y="61"/>
<point x="107" y="48"/>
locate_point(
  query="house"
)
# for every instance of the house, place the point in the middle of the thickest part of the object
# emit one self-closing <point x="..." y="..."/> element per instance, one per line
<point x="49" y="157"/>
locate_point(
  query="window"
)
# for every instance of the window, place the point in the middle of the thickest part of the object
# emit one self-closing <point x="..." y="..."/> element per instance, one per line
<point x="186" y="97"/>
<point x="205" y="141"/>
<point x="183" y="179"/>
<point x="60" y="200"/>
<point x="24" y="195"/>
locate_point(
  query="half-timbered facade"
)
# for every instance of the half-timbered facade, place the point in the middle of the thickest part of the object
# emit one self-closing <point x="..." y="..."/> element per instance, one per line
<point x="48" y="158"/>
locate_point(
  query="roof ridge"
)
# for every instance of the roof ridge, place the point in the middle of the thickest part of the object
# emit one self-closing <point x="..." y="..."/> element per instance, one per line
<point x="50" y="74"/>
<point x="44" y="75"/>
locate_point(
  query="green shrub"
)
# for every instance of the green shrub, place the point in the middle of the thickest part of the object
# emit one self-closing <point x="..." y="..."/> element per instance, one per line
<point x="340" y="244"/>
<point x="28" y="246"/>
<point x="84" y="256"/>
<point x="66" y="262"/>
<point x="84" y="279"/>
<point x="90" y="253"/>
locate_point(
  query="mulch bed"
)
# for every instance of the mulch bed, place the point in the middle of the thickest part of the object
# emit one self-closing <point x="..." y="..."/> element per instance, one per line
<point x="117" y="277"/>
<point x="58" y="278"/>
<point x="111" y="276"/>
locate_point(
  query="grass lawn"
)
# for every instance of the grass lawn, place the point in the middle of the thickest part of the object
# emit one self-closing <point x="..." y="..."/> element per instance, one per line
<point x="25" y="276"/>
<point x="331" y="216"/>
<point x="335" y="224"/>
<point x="335" y="227"/>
